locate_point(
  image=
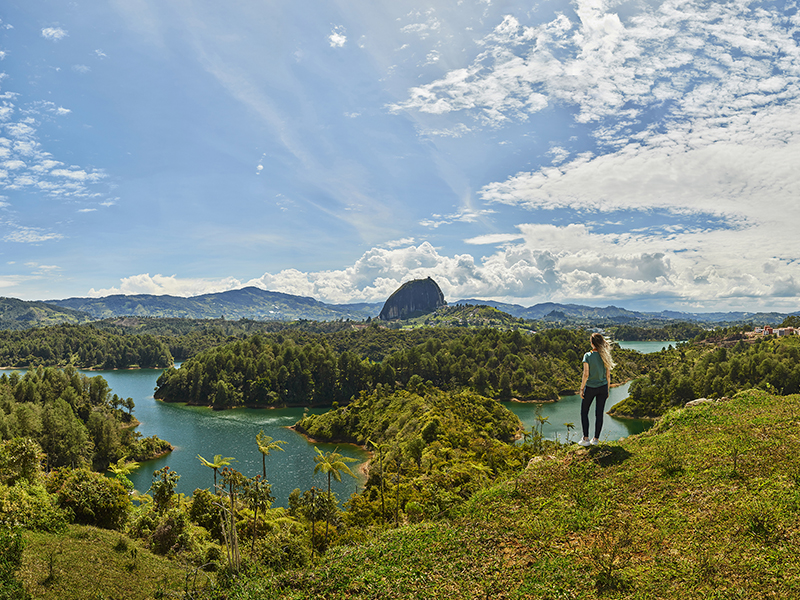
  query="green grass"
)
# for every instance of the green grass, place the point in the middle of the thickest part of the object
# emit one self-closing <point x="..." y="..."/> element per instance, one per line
<point x="87" y="563"/>
<point x="704" y="505"/>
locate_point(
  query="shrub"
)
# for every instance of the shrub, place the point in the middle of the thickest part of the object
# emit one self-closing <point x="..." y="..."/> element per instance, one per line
<point x="31" y="506"/>
<point x="20" y="458"/>
<point x="171" y="533"/>
<point x="11" y="546"/>
<point x="95" y="499"/>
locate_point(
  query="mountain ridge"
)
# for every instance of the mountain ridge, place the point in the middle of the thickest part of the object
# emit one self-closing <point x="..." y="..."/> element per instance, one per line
<point x="263" y="305"/>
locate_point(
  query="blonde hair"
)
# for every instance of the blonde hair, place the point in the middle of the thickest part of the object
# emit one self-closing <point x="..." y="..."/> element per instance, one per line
<point x="600" y="344"/>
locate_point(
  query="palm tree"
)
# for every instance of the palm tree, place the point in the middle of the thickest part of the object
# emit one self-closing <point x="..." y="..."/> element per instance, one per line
<point x="333" y="465"/>
<point x="380" y="448"/>
<point x="121" y="470"/>
<point x="265" y="445"/>
<point x="216" y="464"/>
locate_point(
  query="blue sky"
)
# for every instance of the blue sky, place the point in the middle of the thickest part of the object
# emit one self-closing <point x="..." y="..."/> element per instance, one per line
<point x="643" y="154"/>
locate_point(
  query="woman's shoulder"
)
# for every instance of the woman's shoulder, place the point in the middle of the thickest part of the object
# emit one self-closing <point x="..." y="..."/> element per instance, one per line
<point x="586" y="356"/>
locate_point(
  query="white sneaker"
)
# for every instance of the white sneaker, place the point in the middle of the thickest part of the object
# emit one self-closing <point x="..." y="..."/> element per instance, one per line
<point x="584" y="442"/>
<point x="594" y="442"/>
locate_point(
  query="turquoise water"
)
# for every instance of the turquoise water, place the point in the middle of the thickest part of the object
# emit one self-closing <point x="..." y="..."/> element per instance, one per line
<point x="194" y="430"/>
<point x="568" y="410"/>
<point x="647" y="347"/>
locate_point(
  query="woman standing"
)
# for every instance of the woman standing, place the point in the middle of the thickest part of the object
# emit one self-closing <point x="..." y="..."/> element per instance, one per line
<point x="597" y="366"/>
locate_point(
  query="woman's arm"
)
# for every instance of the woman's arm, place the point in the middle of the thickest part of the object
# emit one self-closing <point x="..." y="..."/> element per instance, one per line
<point x="585" y="377"/>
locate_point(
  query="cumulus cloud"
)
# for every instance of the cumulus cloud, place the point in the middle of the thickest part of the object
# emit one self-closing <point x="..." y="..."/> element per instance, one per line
<point x="167" y="285"/>
<point x="691" y="109"/>
<point x="53" y="33"/>
<point x="337" y="38"/>
<point x="682" y="57"/>
<point x="24" y="163"/>
<point x="541" y="263"/>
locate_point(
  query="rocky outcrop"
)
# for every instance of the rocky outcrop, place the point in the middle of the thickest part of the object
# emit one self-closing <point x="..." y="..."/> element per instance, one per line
<point x="413" y="298"/>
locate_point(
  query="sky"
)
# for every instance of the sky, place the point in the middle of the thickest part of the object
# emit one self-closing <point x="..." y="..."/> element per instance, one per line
<point x="639" y="154"/>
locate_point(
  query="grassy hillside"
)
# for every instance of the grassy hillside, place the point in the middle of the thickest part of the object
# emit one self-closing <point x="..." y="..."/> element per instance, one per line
<point x="87" y="562"/>
<point x="246" y="303"/>
<point x="704" y="505"/>
<point x="18" y="314"/>
<point x="468" y="315"/>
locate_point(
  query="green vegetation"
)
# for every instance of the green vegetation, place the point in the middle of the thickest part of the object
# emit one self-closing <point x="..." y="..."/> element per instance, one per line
<point x="467" y="315"/>
<point x="77" y="420"/>
<point x="308" y="370"/>
<point x="21" y="314"/>
<point x="721" y="366"/>
<point x="671" y="331"/>
<point x="82" y="346"/>
<point x="704" y="505"/>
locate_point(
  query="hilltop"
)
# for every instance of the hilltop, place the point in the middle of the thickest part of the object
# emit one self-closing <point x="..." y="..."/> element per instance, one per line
<point x="21" y="314"/>
<point x="255" y="304"/>
<point x="246" y="303"/>
<point x="706" y="504"/>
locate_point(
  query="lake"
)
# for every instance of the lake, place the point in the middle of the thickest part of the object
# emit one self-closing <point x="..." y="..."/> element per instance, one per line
<point x="647" y="347"/>
<point x="568" y="410"/>
<point x="194" y="430"/>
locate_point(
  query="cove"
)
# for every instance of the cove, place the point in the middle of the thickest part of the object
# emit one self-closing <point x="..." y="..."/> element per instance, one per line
<point x="194" y="430"/>
<point x="197" y="430"/>
<point x="568" y="410"/>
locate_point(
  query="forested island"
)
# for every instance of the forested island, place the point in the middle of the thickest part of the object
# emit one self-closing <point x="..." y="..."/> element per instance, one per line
<point x="455" y="487"/>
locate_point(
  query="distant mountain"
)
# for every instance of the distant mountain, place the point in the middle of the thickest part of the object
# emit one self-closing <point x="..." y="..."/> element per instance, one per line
<point x="621" y="315"/>
<point x="260" y="305"/>
<point x="246" y="303"/>
<point x="21" y="314"/>
<point x="413" y="298"/>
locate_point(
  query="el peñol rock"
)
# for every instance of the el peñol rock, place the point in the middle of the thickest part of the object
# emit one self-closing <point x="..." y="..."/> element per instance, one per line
<point x="413" y="298"/>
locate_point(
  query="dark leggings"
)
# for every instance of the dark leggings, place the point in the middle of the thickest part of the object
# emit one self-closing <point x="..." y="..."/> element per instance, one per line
<point x="593" y="393"/>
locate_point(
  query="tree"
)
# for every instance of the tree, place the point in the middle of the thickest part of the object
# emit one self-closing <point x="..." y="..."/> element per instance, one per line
<point x="163" y="488"/>
<point x="235" y="483"/>
<point x="257" y="491"/>
<point x="65" y="439"/>
<point x="333" y="465"/>
<point x="265" y="446"/>
<point x="121" y="470"/>
<point x="216" y="464"/>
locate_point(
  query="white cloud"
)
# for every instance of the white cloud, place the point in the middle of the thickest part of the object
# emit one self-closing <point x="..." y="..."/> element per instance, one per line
<point x="167" y="285"/>
<point x="337" y="38"/>
<point x="686" y="56"/>
<point x="53" y="33"/>
<point x="30" y="235"/>
<point x="82" y="69"/>
<point x="465" y="215"/>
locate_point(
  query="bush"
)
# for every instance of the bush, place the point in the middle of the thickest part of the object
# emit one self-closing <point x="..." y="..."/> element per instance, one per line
<point x="20" y="458"/>
<point x="171" y="533"/>
<point x="32" y="507"/>
<point x="95" y="499"/>
<point x="11" y="546"/>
